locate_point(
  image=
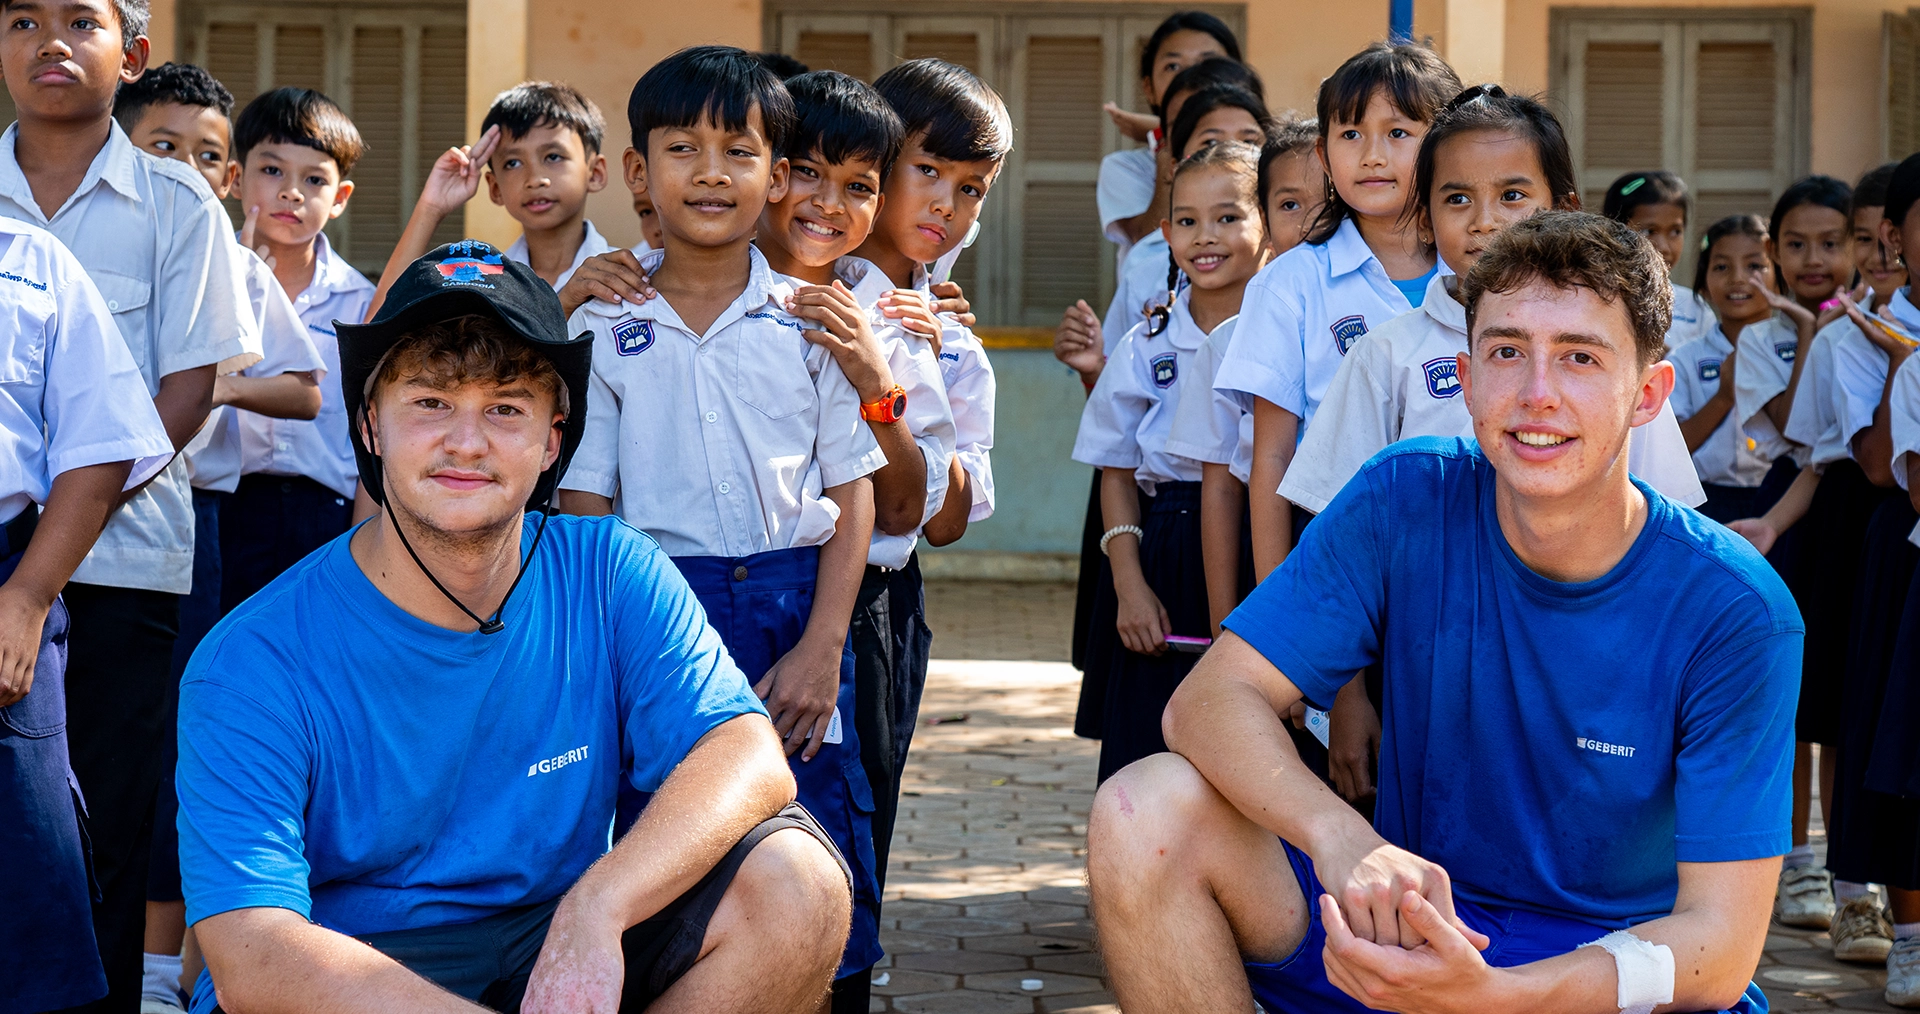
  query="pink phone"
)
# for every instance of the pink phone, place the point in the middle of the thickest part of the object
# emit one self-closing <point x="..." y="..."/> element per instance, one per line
<point x="1192" y="645"/>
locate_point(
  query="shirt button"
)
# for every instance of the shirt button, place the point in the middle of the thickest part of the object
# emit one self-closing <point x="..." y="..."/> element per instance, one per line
<point x="113" y="304"/>
<point x="726" y="487"/>
<point x="711" y="416"/>
<point x="739" y="573"/>
<point x="280" y="447"/>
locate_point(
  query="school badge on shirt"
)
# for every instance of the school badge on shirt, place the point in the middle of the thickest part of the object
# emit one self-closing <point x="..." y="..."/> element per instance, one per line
<point x="1784" y="350"/>
<point x="1443" y="376"/>
<point x="1709" y="369"/>
<point x="632" y="337"/>
<point x="1166" y="370"/>
<point x="1348" y="330"/>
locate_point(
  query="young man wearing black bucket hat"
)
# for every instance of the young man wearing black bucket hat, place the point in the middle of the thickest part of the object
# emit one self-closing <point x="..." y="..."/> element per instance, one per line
<point x="415" y="736"/>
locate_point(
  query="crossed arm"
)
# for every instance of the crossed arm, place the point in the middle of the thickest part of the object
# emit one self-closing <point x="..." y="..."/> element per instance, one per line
<point x="1393" y="940"/>
<point x="266" y="960"/>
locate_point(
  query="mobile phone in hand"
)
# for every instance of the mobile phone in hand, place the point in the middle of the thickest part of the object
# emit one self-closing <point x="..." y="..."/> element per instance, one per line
<point x="1190" y="645"/>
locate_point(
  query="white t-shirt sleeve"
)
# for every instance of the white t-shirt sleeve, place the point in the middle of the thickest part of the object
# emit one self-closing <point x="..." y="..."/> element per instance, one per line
<point x="1109" y="434"/>
<point x="929" y="417"/>
<point x="595" y="467"/>
<point x="971" y="390"/>
<point x="1858" y="379"/>
<point x="1198" y="431"/>
<point x="202" y="314"/>
<point x="95" y="403"/>
<point x="1271" y="364"/>
<point x="1903" y="412"/>
<point x="844" y="448"/>
<point x="1359" y="416"/>
<point x="1125" y="189"/>
<point x="1657" y="453"/>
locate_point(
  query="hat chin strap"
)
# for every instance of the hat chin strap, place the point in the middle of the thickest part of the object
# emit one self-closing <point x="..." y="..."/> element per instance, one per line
<point x="495" y="625"/>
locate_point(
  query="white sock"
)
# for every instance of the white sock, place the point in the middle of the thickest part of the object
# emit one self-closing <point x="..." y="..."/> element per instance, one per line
<point x="1906" y="930"/>
<point x="1846" y="890"/>
<point x="1802" y="855"/>
<point x="161" y="978"/>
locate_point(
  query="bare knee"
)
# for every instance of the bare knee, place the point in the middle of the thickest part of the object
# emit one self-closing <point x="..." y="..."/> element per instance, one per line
<point x="792" y="889"/>
<point x="1148" y="808"/>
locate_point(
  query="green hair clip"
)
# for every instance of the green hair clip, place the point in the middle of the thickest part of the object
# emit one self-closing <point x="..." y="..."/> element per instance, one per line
<point x="1705" y="242"/>
<point x="1631" y="187"/>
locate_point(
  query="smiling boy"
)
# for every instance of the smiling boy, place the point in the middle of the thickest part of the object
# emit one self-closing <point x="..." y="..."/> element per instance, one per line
<point x="1546" y="782"/>
<point x="158" y="247"/>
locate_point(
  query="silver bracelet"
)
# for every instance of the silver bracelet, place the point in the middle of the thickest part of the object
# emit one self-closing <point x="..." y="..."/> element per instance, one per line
<point x="1133" y="530"/>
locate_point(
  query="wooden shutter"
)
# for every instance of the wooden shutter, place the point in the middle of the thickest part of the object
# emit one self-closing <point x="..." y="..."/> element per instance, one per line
<point x="442" y="90"/>
<point x="300" y="57"/>
<point x="371" y="225"/>
<point x="846" y="52"/>
<point x="1624" y="108"/>
<point x="232" y="54"/>
<point x="1900" y="37"/>
<point x="1062" y="252"/>
<point x="962" y="48"/>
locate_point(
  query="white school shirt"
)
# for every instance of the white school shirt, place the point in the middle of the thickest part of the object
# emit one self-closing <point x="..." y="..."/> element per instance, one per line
<point x="1859" y="367"/>
<point x="1401" y="381"/>
<point x="155" y="242"/>
<point x="214" y="455"/>
<point x="1724" y="458"/>
<point x="70" y="393"/>
<point x="929" y="419"/>
<point x="316" y="448"/>
<point x="718" y="444"/>
<point x="1125" y="189"/>
<point x="971" y="390"/>
<point x="1208" y="426"/>
<point x="1130" y="410"/>
<point x="1693" y="317"/>
<point x="1308" y="308"/>
<point x="1142" y="280"/>
<point x="1903" y="413"/>
<point x="1765" y="368"/>
<point x="592" y="245"/>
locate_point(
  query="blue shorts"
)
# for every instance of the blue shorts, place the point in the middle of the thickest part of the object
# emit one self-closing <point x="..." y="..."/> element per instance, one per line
<point x="1298" y="983"/>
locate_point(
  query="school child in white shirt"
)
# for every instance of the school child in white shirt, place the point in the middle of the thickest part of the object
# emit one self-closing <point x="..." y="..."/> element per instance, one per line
<point x="716" y="427"/>
<point x="539" y="151"/>
<point x="1364" y="264"/>
<point x="179" y="111"/>
<point x="159" y="249"/>
<point x="1654" y="204"/>
<point x="1216" y="234"/>
<point x="846" y="139"/>
<point x="1210" y="427"/>
<point x="1737" y="280"/>
<point x="81" y="431"/>
<point x="297" y="150"/>
<point x="1131" y="192"/>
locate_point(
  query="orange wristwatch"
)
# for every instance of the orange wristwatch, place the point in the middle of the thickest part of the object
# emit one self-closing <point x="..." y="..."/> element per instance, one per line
<point x="889" y="408"/>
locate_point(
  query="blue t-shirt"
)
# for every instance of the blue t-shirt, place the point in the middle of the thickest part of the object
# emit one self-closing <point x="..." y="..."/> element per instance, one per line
<point x="346" y="760"/>
<point x="1415" y="289"/>
<point x="1556" y="747"/>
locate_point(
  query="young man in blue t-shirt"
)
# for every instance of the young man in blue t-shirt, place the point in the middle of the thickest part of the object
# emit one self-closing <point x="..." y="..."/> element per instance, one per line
<point x="415" y="736"/>
<point x="1588" y="716"/>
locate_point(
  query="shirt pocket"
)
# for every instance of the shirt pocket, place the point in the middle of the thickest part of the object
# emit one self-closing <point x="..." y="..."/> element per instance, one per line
<point x="771" y="374"/>
<point x="127" y="298"/>
<point x="23" y="339"/>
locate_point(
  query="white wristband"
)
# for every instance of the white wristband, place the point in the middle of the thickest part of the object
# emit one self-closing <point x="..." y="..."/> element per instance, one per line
<point x="1645" y="971"/>
<point x="1133" y="530"/>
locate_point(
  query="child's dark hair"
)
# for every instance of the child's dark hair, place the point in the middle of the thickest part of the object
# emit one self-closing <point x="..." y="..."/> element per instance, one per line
<point x="1290" y="136"/>
<point x="1237" y="157"/>
<point x="1871" y="191"/>
<point x="842" y="119"/>
<point x="1488" y="107"/>
<point x="955" y="115"/>
<point x="180" y="83"/>
<point x="1212" y="72"/>
<point x="723" y="83"/>
<point x="1411" y="76"/>
<point x="298" y="116"/>
<point x="531" y="104"/>
<point x="1185" y="21"/>
<point x="1206" y="101"/>
<point x="782" y="65"/>
<point x="1641" y="189"/>
<point x="1749" y="226"/>
<point x="1903" y="190"/>
<point x="1824" y="191"/>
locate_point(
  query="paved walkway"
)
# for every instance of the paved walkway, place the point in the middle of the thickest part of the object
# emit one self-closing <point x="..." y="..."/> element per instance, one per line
<point x="986" y="903"/>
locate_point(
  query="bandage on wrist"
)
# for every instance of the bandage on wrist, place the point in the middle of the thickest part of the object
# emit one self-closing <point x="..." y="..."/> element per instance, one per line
<point x="1645" y="971"/>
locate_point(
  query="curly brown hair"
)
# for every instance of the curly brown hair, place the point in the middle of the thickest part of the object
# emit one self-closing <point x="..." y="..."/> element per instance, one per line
<point x="1574" y="249"/>
<point x="466" y="350"/>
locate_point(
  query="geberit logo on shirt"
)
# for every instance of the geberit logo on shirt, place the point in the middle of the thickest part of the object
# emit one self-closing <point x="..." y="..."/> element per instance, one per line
<point x="1598" y="747"/>
<point x="551" y="764"/>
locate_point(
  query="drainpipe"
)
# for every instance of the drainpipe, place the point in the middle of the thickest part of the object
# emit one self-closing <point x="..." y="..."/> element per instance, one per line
<point x="1400" y="20"/>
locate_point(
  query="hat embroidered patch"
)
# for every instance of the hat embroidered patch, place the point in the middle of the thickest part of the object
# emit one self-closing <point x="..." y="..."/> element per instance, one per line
<point x="632" y="337"/>
<point x="1348" y="330"/>
<point x="1709" y="369"/>
<point x="470" y="264"/>
<point x="1443" y="376"/>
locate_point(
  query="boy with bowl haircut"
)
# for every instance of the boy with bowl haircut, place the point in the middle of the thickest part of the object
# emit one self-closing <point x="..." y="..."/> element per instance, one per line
<point x="158" y="248"/>
<point x="296" y="149"/>
<point x="752" y="474"/>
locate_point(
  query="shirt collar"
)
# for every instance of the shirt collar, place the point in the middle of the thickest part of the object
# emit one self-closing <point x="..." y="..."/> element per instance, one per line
<point x="331" y="273"/>
<point x="1902" y="310"/>
<point x="1440" y="305"/>
<point x="1347" y="252"/>
<point x="591" y="243"/>
<point x="763" y="288"/>
<point x="864" y="277"/>
<point x="115" y="165"/>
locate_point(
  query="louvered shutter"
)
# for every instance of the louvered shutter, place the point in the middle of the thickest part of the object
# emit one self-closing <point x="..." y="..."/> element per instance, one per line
<point x="442" y="90"/>
<point x="1062" y="253"/>
<point x="1900" y="35"/>
<point x="846" y="52"/>
<point x="374" y="217"/>
<point x="1738" y="152"/>
<point x="1624" y="112"/>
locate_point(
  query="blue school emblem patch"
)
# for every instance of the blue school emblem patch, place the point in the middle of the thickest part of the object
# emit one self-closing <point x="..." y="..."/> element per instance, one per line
<point x="1166" y="370"/>
<point x="1348" y="330"/>
<point x="1709" y="369"/>
<point x="632" y="337"/>
<point x="1443" y="377"/>
<point x="1784" y="350"/>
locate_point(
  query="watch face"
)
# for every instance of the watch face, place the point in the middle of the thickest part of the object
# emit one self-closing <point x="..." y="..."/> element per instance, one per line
<point x="900" y="405"/>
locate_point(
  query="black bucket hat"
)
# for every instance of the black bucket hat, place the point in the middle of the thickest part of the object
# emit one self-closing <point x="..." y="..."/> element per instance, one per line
<point x="468" y="277"/>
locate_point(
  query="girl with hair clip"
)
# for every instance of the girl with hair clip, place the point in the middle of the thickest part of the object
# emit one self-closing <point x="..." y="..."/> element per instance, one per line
<point x="1364" y="263"/>
<point x="1150" y="496"/>
<point x="1654" y="203"/>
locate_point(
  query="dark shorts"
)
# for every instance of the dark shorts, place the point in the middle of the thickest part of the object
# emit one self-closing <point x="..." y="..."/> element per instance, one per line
<point x="1298" y="983"/>
<point x="489" y="961"/>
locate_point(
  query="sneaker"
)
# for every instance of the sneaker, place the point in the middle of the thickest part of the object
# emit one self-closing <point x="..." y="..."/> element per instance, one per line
<point x="1861" y="931"/>
<point x="1805" y="898"/>
<point x="1903" y="973"/>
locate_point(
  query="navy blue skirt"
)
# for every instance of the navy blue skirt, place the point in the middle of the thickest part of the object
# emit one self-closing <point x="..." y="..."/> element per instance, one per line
<point x="1141" y="685"/>
<point x="1832" y="549"/>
